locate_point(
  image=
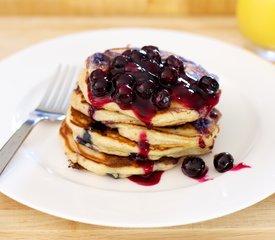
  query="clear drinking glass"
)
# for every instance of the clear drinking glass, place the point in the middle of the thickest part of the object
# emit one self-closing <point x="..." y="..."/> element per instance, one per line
<point x="256" y="20"/>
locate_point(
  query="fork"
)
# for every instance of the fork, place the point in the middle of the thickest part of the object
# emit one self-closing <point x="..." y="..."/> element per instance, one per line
<point x="53" y="106"/>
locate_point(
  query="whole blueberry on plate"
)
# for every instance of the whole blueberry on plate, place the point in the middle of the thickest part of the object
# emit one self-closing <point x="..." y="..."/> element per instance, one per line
<point x="193" y="167"/>
<point x="223" y="162"/>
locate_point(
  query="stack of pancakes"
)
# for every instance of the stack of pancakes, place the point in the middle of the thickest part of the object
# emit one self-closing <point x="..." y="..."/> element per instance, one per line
<point x="114" y="141"/>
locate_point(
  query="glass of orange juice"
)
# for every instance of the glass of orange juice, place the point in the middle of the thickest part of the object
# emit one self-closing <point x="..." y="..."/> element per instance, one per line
<point x="257" y="23"/>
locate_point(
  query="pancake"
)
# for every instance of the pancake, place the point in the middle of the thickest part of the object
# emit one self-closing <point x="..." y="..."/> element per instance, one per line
<point x="136" y="111"/>
<point x="102" y="164"/>
<point x="126" y="141"/>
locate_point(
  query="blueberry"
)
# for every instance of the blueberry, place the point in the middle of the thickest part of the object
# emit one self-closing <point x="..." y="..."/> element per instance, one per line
<point x="208" y="85"/>
<point x="118" y="64"/>
<point x="151" y="67"/>
<point x="169" y="77"/>
<point x="97" y="74"/>
<point x="152" y="53"/>
<point x="193" y="167"/>
<point x="162" y="99"/>
<point x="99" y="83"/>
<point x="141" y="77"/>
<point x="96" y="125"/>
<point x="223" y="162"/>
<point x="145" y="89"/>
<point x="150" y="48"/>
<point x="124" y="79"/>
<point x="214" y="114"/>
<point x="119" y="61"/>
<point x="124" y="95"/>
<point x="100" y="58"/>
<point x="201" y="125"/>
<point x="132" y="67"/>
<point x="80" y="140"/>
<point x="86" y="139"/>
<point x="173" y="61"/>
<point x="127" y="53"/>
<point x="138" y="55"/>
<point x="138" y="157"/>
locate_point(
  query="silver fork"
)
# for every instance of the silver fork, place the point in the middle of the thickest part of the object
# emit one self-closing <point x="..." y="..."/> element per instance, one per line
<point x="53" y="106"/>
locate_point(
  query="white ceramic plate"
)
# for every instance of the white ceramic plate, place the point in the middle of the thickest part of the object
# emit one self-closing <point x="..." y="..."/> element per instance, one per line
<point x="38" y="175"/>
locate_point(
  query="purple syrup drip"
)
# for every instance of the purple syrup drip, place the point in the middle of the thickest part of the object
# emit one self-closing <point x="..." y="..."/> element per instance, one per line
<point x="239" y="167"/>
<point x="149" y="179"/>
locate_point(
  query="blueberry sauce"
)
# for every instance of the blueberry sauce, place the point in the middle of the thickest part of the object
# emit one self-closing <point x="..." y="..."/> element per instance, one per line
<point x="201" y="142"/>
<point x="148" y="166"/>
<point x="99" y="102"/>
<point x="189" y="95"/>
<point x="149" y="179"/>
<point x="204" y="179"/>
<point x="143" y="145"/>
<point x="141" y="81"/>
<point x="239" y="167"/>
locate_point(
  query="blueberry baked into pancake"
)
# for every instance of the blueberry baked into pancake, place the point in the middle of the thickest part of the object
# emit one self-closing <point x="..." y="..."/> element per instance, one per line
<point x="136" y="111"/>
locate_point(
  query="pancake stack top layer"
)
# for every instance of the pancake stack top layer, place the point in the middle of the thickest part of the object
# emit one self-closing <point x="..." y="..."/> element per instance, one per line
<point x="137" y="111"/>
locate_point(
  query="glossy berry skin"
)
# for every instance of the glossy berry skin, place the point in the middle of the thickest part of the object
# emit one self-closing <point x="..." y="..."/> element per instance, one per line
<point x="169" y="77"/>
<point x="173" y="61"/>
<point x="153" y="53"/>
<point x="150" y="48"/>
<point x="162" y="99"/>
<point x="214" y="114"/>
<point x="223" y="162"/>
<point x="96" y="75"/>
<point x="99" y="83"/>
<point x="208" y="85"/>
<point x="132" y="67"/>
<point x="124" y="79"/>
<point x="145" y="89"/>
<point x="127" y="53"/>
<point x="124" y="95"/>
<point x="193" y="167"/>
<point x="141" y="77"/>
<point x="138" y="55"/>
<point x="118" y="64"/>
<point x="152" y="68"/>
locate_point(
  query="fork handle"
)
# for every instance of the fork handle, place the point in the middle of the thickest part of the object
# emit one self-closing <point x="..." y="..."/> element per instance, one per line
<point x="16" y="140"/>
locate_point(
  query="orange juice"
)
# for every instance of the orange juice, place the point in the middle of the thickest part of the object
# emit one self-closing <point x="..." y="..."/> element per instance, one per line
<point x="257" y="21"/>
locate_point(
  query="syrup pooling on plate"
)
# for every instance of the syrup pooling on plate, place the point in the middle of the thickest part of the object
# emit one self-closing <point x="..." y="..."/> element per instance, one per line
<point x="239" y="167"/>
<point x="142" y="81"/>
<point x="149" y="179"/>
